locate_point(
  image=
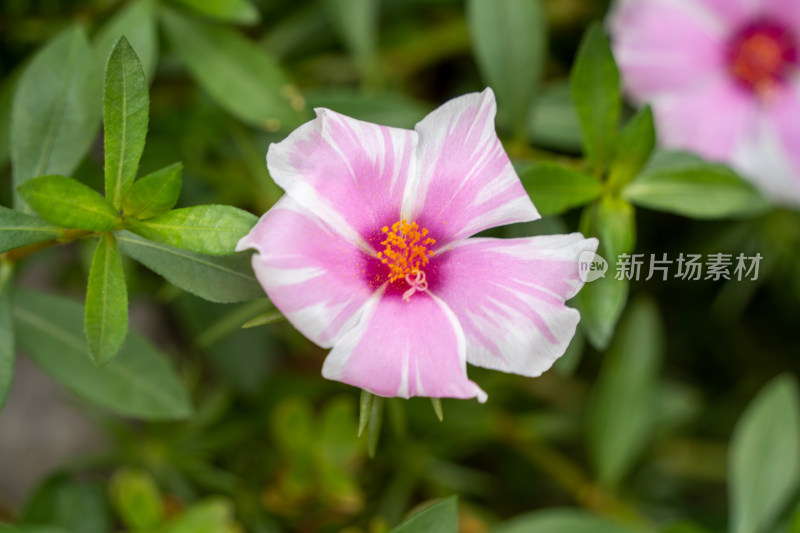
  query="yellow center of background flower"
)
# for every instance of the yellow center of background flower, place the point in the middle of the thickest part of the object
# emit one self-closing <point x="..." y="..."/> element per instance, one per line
<point x="406" y="249"/>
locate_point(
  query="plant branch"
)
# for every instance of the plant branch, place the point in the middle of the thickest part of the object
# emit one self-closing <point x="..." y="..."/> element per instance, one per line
<point x="70" y="235"/>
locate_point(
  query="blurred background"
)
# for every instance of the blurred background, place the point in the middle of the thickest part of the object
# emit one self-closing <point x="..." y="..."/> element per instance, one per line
<point x="638" y="433"/>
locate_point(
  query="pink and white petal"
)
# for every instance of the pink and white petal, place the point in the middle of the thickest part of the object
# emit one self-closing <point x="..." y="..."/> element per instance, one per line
<point x="405" y="349"/>
<point x="465" y="182"/>
<point x="350" y="173"/>
<point x="735" y="13"/>
<point x="710" y="120"/>
<point x="312" y="274"/>
<point x="662" y="46"/>
<point x="783" y="11"/>
<point x="770" y="153"/>
<point x="509" y="294"/>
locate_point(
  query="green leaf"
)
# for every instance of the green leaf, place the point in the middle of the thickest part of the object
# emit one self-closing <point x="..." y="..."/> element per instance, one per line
<point x="596" y="93"/>
<point x="357" y="23"/>
<point x="364" y="410"/>
<point x="7" y="88"/>
<point x="221" y="279"/>
<point x="264" y="319"/>
<point x="555" y="188"/>
<point x="602" y="301"/>
<point x="137" y="22"/>
<point x="210" y="516"/>
<point x="69" y="203"/>
<point x="68" y="504"/>
<point x="18" y="229"/>
<point x="7" y="345"/>
<point x="561" y="521"/>
<point x="56" y="109"/>
<point x="205" y="229"/>
<point x="694" y="189"/>
<point x="138" y="383"/>
<point x="106" y="315"/>
<point x="636" y="142"/>
<point x="553" y="121"/>
<point x="441" y="517"/>
<point x="374" y="425"/>
<point x="622" y="408"/>
<point x="237" y="11"/>
<point x="436" y="403"/>
<point x="154" y="194"/>
<point x="764" y="459"/>
<point x="136" y="499"/>
<point x="126" y="106"/>
<point x="509" y="39"/>
<point x="237" y="74"/>
<point x="616" y="225"/>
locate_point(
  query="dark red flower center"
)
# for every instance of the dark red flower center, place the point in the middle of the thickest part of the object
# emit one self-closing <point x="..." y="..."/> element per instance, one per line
<point x="762" y="55"/>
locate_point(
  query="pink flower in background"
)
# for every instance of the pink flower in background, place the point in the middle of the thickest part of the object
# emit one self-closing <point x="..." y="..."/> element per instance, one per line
<point x="367" y="253"/>
<point x="723" y="79"/>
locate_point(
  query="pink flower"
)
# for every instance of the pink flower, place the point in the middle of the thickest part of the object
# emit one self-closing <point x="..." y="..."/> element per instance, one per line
<point x="367" y="253"/>
<point x="723" y="79"/>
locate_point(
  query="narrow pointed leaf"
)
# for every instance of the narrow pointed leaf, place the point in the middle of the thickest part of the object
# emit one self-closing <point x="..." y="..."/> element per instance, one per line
<point x="154" y="194"/>
<point x="265" y="319"/>
<point x="138" y="383"/>
<point x="7" y="345"/>
<point x="602" y="301"/>
<point x="238" y="11"/>
<point x="694" y="188"/>
<point x="562" y="521"/>
<point x="18" y="229"/>
<point x="509" y="39"/>
<point x="623" y="405"/>
<point x="554" y="188"/>
<point x="596" y="93"/>
<point x="553" y="121"/>
<point x="56" y="111"/>
<point x="69" y="203"/>
<point x="205" y="229"/>
<point x="441" y="517"/>
<point x="7" y="87"/>
<point x="126" y="105"/>
<point x="364" y="410"/>
<point x="764" y="459"/>
<point x="137" y="22"/>
<point x="221" y="279"/>
<point x="636" y="142"/>
<point x="616" y="225"/>
<point x="374" y="425"/>
<point x="106" y="315"/>
<point x="357" y="23"/>
<point x="437" y="408"/>
<point x="239" y="76"/>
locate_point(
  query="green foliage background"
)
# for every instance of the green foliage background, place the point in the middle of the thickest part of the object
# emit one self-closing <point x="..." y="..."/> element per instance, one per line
<point x="674" y="410"/>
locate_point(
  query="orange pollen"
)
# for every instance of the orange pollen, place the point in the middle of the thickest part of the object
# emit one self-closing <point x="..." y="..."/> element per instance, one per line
<point x="406" y="250"/>
<point x="760" y="59"/>
<point x="762" y="55"/>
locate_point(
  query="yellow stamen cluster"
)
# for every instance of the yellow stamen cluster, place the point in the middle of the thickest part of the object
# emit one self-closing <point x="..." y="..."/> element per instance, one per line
<point x="406" y="249"/>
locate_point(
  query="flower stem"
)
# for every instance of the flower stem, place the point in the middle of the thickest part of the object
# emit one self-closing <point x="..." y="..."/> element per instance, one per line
<point x="572" y="478"/>
<point x="12" y="256"/>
